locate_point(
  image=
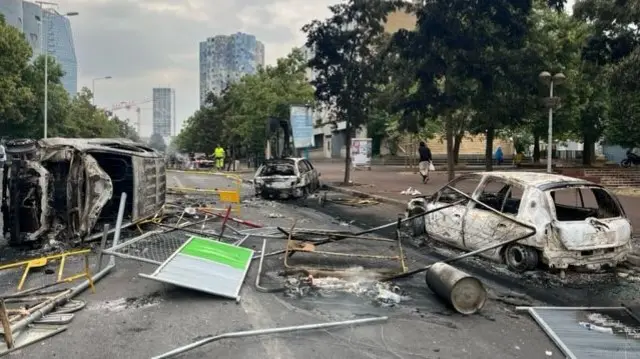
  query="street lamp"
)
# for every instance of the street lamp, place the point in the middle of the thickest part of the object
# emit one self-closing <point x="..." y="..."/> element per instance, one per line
<point x="93" y="87"/>
<point x="45" y="50"/>
<point x="549" y="80"/>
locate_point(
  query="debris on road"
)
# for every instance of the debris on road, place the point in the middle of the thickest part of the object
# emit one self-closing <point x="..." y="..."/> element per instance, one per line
<point x="411" y="192"/>
<point x="380" y="293"/>
<point x="44" y="261"/>
<point x="605" y="338"/>
<point x="463" y="292"/>
<point x="223" y="265"/>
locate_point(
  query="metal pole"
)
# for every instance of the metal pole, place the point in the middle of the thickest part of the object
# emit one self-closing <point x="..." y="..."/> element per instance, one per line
<point x="46" y="70"/>
<point x="93" y="91"/>
<point x="268" y="331"/>
<point x="550" y="138"/>
<point x="116" y="235"/>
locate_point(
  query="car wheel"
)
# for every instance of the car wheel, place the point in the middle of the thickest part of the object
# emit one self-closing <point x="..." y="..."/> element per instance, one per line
<point x="520" y="258"/>
<point x="417" y="224"/>
<point x="625" y="163"/>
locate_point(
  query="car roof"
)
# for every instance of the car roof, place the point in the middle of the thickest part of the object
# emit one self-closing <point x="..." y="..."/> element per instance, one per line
<point x="540" y="180"/>
<point x="287" y="159"/>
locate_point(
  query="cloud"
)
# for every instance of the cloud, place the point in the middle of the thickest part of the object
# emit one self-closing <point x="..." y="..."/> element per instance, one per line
<point x="149" y="43"/>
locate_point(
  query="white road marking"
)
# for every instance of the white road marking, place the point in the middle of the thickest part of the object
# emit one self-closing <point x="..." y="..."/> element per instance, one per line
<point x="175" y="178"/>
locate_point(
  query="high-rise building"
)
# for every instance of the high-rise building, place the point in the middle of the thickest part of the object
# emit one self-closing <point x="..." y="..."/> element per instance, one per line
<point x="58" y="39"/>
<point x="163" y="107"/>
<point x="225" y="59"/>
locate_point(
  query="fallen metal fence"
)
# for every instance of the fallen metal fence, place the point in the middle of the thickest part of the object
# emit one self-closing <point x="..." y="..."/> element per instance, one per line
<point x="595" y="332"/>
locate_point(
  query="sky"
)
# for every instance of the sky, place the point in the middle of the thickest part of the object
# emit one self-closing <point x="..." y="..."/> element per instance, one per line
<point x="144" y="44"/>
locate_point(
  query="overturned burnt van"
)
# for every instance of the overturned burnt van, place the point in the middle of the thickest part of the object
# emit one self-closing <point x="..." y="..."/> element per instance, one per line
<point x="286" y="178"/>
<point x="62" y="188"/>
<point x="577" y="223"/>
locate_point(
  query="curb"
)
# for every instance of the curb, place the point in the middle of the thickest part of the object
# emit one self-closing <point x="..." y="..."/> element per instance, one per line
<point x="361" y="194"/>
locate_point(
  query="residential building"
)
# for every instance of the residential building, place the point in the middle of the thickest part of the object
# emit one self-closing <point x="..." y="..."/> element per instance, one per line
<point x="224" y="59"/>
<point x="58" y="39"/>
<point x="163" y="108"/>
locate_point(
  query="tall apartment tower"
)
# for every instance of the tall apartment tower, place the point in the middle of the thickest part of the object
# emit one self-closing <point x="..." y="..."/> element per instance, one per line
<point x="224" y="59"/>
<point x="163" y="110"/>
<point x="57" y="36"/>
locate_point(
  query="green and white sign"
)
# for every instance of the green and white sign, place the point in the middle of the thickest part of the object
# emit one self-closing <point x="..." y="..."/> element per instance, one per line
<point x="206" y="265"/>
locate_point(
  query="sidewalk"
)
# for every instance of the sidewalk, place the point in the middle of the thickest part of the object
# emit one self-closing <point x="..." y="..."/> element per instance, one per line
<point x="381" y="181"/>
<point x="387" y="184"/>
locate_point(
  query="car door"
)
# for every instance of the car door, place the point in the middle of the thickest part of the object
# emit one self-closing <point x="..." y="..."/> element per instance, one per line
<point x="313" y="175"/>
<point x="304" y="173"/>
<point x="446" y="224"/>
<point x="482" y="226"/>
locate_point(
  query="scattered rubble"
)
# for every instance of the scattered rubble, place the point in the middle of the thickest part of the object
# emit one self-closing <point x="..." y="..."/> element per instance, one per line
<point x="379" y="293"/>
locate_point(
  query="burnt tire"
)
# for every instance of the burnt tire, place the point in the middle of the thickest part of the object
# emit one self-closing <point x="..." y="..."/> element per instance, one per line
<point x="417" y="224"/>
<point x="520" y="258"/>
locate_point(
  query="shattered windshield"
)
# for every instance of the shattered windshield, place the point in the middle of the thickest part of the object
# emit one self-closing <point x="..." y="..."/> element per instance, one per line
<point x="278" y="169"/>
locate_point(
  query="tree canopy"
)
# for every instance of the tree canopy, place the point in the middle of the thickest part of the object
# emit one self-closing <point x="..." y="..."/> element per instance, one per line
<point x="22" y="97"/>
<point x="240" y="114"/>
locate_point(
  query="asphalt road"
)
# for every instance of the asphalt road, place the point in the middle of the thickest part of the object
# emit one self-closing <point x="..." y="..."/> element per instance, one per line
<point x="133" y="317"/>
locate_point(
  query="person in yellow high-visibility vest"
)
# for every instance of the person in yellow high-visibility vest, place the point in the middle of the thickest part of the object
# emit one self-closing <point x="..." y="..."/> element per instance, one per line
<point x="218" y="154"/>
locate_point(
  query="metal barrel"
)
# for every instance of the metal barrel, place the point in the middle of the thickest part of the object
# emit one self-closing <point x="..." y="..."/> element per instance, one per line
<point x="466" y="294"/>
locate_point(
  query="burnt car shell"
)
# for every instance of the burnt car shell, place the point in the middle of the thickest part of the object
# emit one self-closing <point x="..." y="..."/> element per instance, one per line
<point x="279" y="178"/>
<point x="63" y="188"/>
<point x="578" y="223"/>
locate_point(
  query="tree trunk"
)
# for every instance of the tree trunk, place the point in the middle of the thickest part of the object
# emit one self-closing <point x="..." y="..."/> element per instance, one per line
<point x="536" y="149"/>
<point x="488" y="151"/>
<point x="347" y="157"/>
<point x="456" y="147"/>
<point x="450" y="155"/>
<point x="589" y="151"/>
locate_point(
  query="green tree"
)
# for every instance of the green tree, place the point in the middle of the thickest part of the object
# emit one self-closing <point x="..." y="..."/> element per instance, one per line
<point x="237" y="119"/>
<point x="57" y="101"/>
<point x="612" y="54"/>
<point x="345" y="60"/>
<point x="124" y="129"/>
<point x="85" y="120"/>
<point x="463" y="52"/>
<point x="15" y="93"/>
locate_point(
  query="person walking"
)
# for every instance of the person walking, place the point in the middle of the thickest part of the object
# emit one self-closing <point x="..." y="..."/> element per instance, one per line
<point x="218" y="153"/>
<point x="499" y="155"/>
<point x="425" y="161"/>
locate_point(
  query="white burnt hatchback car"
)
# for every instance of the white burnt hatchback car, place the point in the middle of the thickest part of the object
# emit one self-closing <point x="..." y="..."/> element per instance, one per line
<point x="577" y="223"/>
<point x="286" y="178"/>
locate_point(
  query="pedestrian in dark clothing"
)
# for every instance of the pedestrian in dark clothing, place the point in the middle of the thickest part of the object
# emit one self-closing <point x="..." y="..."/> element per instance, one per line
<point x="425" y="161"/>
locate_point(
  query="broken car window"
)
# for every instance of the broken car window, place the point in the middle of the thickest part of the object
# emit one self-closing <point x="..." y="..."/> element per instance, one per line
<point x="278" y="169"/>
<point x="302" y="167"/>
<point x="501" y="196"/>
<point x="578" y="204"/>
<point x="463" y="184"/>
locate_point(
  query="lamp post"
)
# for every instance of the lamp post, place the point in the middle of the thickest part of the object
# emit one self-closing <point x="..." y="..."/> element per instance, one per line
<point x="45" y="50"/>
<point x="551" y="81"/>
<point x="93" y="87"/>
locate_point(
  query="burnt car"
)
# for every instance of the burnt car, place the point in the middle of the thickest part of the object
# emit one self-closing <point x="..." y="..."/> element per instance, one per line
<point x="577" y="223"/>
<point x="286" y="178"/>
<point x="63" y="188"/>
